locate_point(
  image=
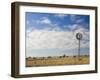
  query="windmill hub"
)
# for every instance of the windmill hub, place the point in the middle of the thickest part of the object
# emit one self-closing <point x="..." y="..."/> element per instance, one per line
<point x="79" y="36"/>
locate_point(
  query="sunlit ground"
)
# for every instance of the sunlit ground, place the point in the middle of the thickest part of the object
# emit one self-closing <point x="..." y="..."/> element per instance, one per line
<point x="53" y="61"/>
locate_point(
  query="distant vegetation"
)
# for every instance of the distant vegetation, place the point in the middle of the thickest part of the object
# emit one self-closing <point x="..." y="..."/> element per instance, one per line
<point x="63" y="56"/>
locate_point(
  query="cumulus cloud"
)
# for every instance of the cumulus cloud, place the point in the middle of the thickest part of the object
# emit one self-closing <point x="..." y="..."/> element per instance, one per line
<point x="56" y="39"/>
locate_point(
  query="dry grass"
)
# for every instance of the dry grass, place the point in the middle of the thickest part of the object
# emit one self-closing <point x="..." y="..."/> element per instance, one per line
<point x="57" y="61"/>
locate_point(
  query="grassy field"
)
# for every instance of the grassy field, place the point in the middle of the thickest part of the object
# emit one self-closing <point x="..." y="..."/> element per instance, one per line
<point x="55" y="61"/>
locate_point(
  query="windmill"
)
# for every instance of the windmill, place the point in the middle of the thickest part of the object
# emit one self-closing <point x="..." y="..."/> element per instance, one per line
<point x="79" y="37"/>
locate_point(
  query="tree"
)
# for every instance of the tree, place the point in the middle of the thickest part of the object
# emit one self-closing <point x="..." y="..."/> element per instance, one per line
<point x="64" y="55"/>
<point x="49" y="57"/>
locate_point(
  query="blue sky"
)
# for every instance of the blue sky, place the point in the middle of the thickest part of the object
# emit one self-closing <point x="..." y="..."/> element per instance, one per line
<point x="45" y="32"/>
<point x="32" y="20"/>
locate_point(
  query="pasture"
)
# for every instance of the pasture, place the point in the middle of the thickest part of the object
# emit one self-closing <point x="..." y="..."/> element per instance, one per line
<point x="56" y="61"/>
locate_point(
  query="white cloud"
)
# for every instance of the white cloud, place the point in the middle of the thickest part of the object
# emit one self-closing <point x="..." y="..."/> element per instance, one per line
<point x="81" y="30"/>
<point x="55" y="39"/>
<point x="76" y="19"/>
<point x="73" y="27"/>
<point x="53" y="27"/>
<point x="60" y="15"/>
<point x="49" y="25"/>
<point x="79" y="20"/>
<point x="45" y="20"/>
